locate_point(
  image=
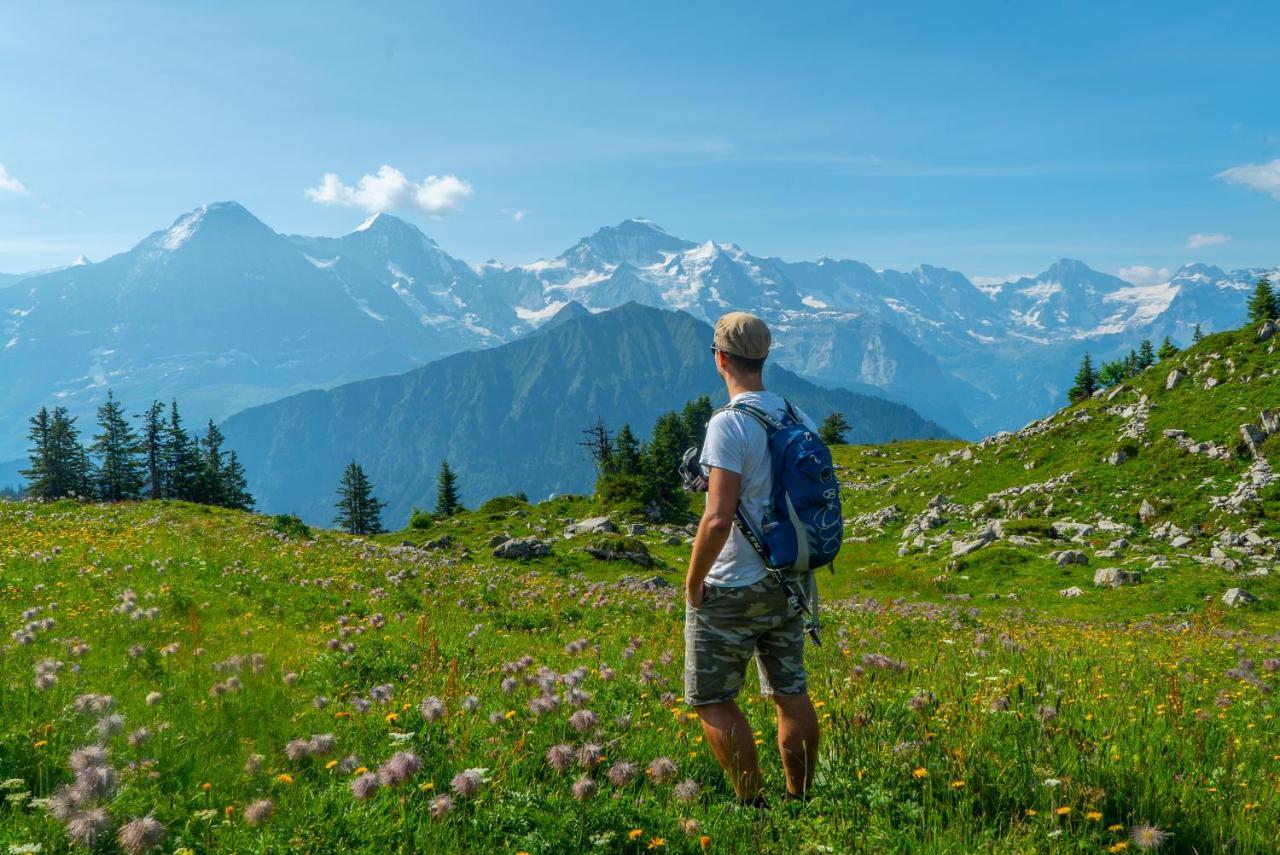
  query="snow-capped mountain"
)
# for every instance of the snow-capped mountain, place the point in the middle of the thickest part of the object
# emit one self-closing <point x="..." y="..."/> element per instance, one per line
<point x="223" y="312"/>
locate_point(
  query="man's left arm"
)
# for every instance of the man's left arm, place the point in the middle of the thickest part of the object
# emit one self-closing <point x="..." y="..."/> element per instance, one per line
<point x="714" y="530"/>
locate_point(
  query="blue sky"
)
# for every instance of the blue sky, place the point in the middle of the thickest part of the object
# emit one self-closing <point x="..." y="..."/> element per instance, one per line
<point x="992" y="138"/>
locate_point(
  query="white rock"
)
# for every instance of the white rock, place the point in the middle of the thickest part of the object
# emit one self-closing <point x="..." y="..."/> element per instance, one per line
<point x="1114" y="577"/>
<point x="1175" y="377"/>
<point x="1073" y="591"/>
<point x="1238" y="597"/>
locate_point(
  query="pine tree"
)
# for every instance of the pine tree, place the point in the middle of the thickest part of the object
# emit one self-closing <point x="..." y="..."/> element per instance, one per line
<point x="1196" y="335"/>
<point x="40" y="474"/>
<point x="663" y="454"/>
<point x="447" y="501"/>
<point x="695" y="417"/>
<point x="1146" y="355"/>
<point x="359" y="511"/>
<point x="120" y="474"/>
<point x="181" y="459"/>
<point x="1167" y="349"/>
<point x="235" y="487"/>
<point x="153" y="450"/>
<point x="1263" y="305"/>
<point x="833" y="429"/>
<point x="626" y="454"/>
<point x="1130" y="364"/>
<point x="599" y="444"/>
<point x="1086" y="381"/>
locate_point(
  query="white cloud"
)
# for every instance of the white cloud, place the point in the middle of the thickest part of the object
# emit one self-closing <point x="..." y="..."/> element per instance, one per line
<point x="517" y="216"/>
<point x="1200" y="240"/>
<point x="9" y="184"/>
<point x="389" y="189"/>
<point x="1263" y="177"/>
<point x="1141" y="274"/>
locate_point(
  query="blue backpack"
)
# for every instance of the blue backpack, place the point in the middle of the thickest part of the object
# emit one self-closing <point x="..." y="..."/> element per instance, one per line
<point x="803" y="525"/>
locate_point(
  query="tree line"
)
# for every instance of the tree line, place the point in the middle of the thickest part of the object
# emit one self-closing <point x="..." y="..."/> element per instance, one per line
<point x="158" y="460"/>
<point x="359" y="511"/>
<point x="1263" y="306"/>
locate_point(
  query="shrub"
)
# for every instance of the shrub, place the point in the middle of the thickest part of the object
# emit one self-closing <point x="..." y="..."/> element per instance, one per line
<point x="421" y="519"/>
<point x="290" y="526"/>
<point x="505" y="504"/>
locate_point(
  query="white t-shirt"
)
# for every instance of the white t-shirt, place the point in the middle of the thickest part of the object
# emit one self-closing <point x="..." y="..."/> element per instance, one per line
<point x="738" y="442"/>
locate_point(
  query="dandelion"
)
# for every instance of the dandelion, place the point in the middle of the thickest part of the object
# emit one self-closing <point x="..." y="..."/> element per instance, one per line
<point x="560" y="757"/>
<point x="440" y="806"/>
<point x="467" y="782"/>
<point x="1147" y="836"/>
<point x="1093" y="816"/>
<point x="920" y="772"/>
<point x="365" y="785"/>
<point x="432" y="708"/>
<point x="582" y="720"/>
<point x="257" y="813"/>
<point x="662" y="770"/>
<point x="584" y="788"/>
<point x="634" y="833"/>
<point x="87" y="827"/>
<point x="687" y="791"/>
<point x="141" y="835"/>
<point x="622" y="773"/>
<point x="657" y="842"/>
<point x="402" y="766"/>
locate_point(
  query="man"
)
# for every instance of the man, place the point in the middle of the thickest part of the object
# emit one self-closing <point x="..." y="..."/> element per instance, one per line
<point x="734" y="608"/>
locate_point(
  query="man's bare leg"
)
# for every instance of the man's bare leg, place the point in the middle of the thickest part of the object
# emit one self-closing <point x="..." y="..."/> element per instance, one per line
<point x="729" y="734"/>
<point x="797" y="741"/>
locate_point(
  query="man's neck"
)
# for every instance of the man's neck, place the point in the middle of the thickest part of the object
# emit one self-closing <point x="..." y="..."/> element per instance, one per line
<point x="736" y="386"/>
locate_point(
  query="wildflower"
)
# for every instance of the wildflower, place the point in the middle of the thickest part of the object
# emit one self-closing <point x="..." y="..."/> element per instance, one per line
<point x="560" y="757"/>
<point x="402" y="766"/>
<point x="284" y="778"/>
<point x="1063" y="811"/>
<point x="690" y="827"/>
<point x="320" y="744"/>
<point x="87" y="757"/>
<point x="109" y="725"/>
<point x="348" y="764"/>
<point x="1051" y="783"/>
<point x="584" y="788"/>
<point x="662" y="770"/>
<point x="470" y="703"/>
<point x="582" y="720"/>
<point x="87" y="827"/>
<point x="921" y="701"/>
<point x="141" y="835"/>
<point x="589" y="754"/>
<point x="920" y="772"/>
<point x="1046" y="713"/>
<point x="253" y="764"/>
<point x="440" y="806"/>
<point x="432" y="708"/>
<point x="957" y="785"/>
<point x="657" y="842"/>
<point x="1115" y="827"/>
<point x="139" y="736"/>
<point x="1093" y="816"/>
<point x="1118" y="847"/>
<point x="96" y="782"/>
<point x="154" y="698"/>
<point x="64" y="802"/>
<point x="364" y="786"/>
<point x="258" y="812"/>
<point x="622" y="773"/>
<point x="296" y="749"/>
<point x="687" y="791"/>
<point x="1147" y="836"/>
<point x="705" y="842"/>
<point x="634" y="833"/>
<point x="467" y="782"/>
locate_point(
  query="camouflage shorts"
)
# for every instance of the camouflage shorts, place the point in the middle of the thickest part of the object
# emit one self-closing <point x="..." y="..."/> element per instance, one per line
<point x="733" y="623"/>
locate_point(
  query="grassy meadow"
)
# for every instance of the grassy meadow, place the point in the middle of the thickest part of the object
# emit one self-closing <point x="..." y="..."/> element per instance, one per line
<point x="177" y="678"/>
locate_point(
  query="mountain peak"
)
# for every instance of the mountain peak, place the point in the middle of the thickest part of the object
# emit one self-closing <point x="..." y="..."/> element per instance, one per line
<point x="636" y="241"/>
<point x="389" y="227"/>
<point x="229" y="219"/>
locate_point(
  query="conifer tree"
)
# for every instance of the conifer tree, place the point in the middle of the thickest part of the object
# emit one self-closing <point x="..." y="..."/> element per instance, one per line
<point x="40" y="474"/>
<point x="1196" y="335"/>
<point x="1086" y="380"/>
<point x="359" y="511"/>
<point x="181" y="459"/>
<point x="209" y="480"/>
<point x="153" y="450"/>
<point x="626" y="455"/>
<point x="833" y="429"/>
<point x="695" y="417"/>
<point x="235" y="487"/>
<point x="1263" y="305"/>
<point x="1130" y="363"/>
<point x="447" y="501"/>
<point x="1146" y="355"/>
<point x="119" y="474"/>
<point x="663" y="453"/>
<point x="1167" y="349"/>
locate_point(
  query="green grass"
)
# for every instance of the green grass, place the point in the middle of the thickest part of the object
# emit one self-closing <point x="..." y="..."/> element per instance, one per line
<point x="949" y="710"/>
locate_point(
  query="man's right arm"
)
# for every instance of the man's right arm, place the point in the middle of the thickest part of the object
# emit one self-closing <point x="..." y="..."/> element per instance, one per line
<point x="714" y="530"/>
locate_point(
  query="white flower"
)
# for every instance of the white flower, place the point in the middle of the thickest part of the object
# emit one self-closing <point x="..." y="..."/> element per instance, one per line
<point x="1052" y="782"/>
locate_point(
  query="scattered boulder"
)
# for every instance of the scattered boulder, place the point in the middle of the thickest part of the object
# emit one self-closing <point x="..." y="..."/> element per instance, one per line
<point x="1270" y="421"/>
<point x="521" y="548"/>
<point x="606" y="547"/>
<point x="1071" y="530"/>
<point x="1117" y="457"/>
<point x="636" y="529"/>
<point x="499" y="539"/>
<point x="1073" y="591"/>
<point x="1114" y="577"/>
<point x="967" y="547"/>
<point x="1175" y="377"/>
<point x="1267" y="330"/>
<point x="1180" y="541"/>
<point x="1253" y="438"/>
<point x="1067" y="557"/>
<point x="1174" y="433"/>
<point x="591" y="525"/>
<point x="673" y="540"/>
<point x="1238" y="597"/>
<point x="1146" y="511"/>
<point x="445" y="542"/>
<point x="1210" y="382"/>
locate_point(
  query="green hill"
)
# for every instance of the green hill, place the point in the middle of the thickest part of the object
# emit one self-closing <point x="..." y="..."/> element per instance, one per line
<point x="236" y="678"/>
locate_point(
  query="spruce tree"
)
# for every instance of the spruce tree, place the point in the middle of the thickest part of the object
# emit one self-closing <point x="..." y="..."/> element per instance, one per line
<point x="1263" y="305"/>
<point x="447" y="501"/>
<point x="1167" y="349"/>
<point x="119" y="474"/>
<point x="181" y="459"/>
<point x="662" y="455"/>
<point x="1146" y="355"/>
<point x="695" y="417"/>
<point x="833" y="429"/>
<point x="359" y="511"/>
<point x="626" y="454"/>
<point x="1196" y="335"/>
<point x="1086" y="381"/>
<point x="1130" y="364"/>
<point x="235" y="487"/>
<point x="40" y="475"/>
<point x="153" y="450"/>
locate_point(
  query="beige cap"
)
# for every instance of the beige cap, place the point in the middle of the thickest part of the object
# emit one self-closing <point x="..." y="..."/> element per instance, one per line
<point x="742" y="335"/>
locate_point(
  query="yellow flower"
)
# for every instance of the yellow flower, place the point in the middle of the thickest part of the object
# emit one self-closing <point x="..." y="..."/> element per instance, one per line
<point x="284" y="778"/>
<point x="206" y="786"/>
<point x="921" y="772"/>
<point x="1116" y="827"/>
<point x="1093" y="816"/>
<point x="1063" y="811"/>
<point x="1031" y="811"/>
<point x="429" y="785"/>
<point x="704" y="841"/>
<point x="360" y="770"/>
<point x="392" y="717"/>
<point x="331" y="764"/>
<point x="41" y="744"/>
<point x="1118" y="847"/>
<point x="634" y="833"/>
<point x="657" y="842"/>
<point x="957" y="785"/>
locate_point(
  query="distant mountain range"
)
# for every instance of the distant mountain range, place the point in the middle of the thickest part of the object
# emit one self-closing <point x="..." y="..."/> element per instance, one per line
<point x="224" y="313"/>
<point x="510" y="418"/>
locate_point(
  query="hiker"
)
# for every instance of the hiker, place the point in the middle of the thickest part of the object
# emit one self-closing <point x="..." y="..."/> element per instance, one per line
<point x="734" y="606"/>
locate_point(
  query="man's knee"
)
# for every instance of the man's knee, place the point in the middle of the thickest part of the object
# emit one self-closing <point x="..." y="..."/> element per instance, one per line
<point x="794" y="706"/>
<point x="719" y="714"/>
